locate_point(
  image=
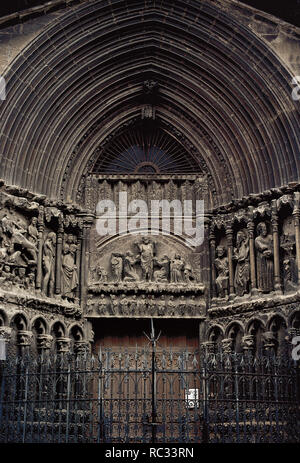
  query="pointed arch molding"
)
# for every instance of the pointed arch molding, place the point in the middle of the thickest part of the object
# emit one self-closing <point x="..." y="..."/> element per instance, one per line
<point x="222" y="91"/>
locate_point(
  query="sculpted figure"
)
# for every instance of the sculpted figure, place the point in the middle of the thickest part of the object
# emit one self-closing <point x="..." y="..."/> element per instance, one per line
<point x="221" y="263"/>
<point x="182" y="305"/>
<point x="21" y="278"/>
<point x="161" y="305"/>
<point x="147" y="251"/>
<point x="117" y="266"/>
<point x="188" y="274"/>
<point x="102" y="305"/>
<point x="290" y="272"/>
<point x="69" y="276"/>
<point x="114" y="304"/>
<point x="27" y="246"/>
<point x="32" y="232"/>
<point x="130" y="273"/>
<point x="162" y="275"/>
<point x="176" y="268"/>
<point x="242" y="271"/>
<point x="6" y="275"/>
<point x="133" y="305"/>
<point x="171" y="306"/>
<point x="264" y="259"/>
<point x="49" y="264"/>
<point x="192" y="305"/>
<point x="124" y="310"/>
<point x="142" y="305"/>
<point x="152" y="305"/>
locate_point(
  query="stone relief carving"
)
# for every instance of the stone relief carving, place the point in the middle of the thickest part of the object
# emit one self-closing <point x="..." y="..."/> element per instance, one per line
<point x="142" y="305"/>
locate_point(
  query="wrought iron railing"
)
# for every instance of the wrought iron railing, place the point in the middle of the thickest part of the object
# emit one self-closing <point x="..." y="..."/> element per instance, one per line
<point x="146" y="395"/>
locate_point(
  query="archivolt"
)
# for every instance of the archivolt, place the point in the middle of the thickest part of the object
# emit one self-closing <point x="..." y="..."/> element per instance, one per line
<point x="219" y="84"/>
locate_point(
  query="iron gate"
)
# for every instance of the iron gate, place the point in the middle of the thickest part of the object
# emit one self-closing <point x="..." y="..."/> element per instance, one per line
<point x="149" y="395"/>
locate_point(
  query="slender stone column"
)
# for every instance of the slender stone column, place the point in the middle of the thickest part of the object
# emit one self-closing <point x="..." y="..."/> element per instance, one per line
<point x="59" y="241"/>
<point x="212" y="242"/>
<point x="78" y="261"/>
<point x="296" y="215"/>
<point x="5" y="333"/>
<point x="250" y="227"/>
<point x="229" y="237"/>
<point x="40" y="227"/>
<point x="87" y="223"/>
<point x="274" y="220"/>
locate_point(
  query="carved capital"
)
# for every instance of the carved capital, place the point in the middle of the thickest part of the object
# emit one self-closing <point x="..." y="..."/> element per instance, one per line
<point x="208" y="347"/>
<point x="248" y="342"/>
<point x="227" y="345"/>
<point x="269" y="340"/>
<point x="291" y="333"/>
<point x="63" y="344"/>
<point x="250" y="228"/>
<point x="296" y="210"/>
<point x="5" y="333"/>
<point x="24" y="338"/>
<point x="81" y="347"/>
<point x="44" y="341"/>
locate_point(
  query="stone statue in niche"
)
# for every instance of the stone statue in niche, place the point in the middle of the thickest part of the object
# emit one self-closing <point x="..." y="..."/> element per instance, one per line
<point x="130" y="273"/>
<point x="69" y="275"/>
<point x="264" y="259"/>
<point x="241" y="256"/>
<point x="117" y="266"/>
<point x="162" y="275"/>
<point x="290" y="277"/>
<point x="176" y="268"/>
<point x="49" y="264"/>
<point x="147" y="250"/>
<point x="221" y="263"/>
